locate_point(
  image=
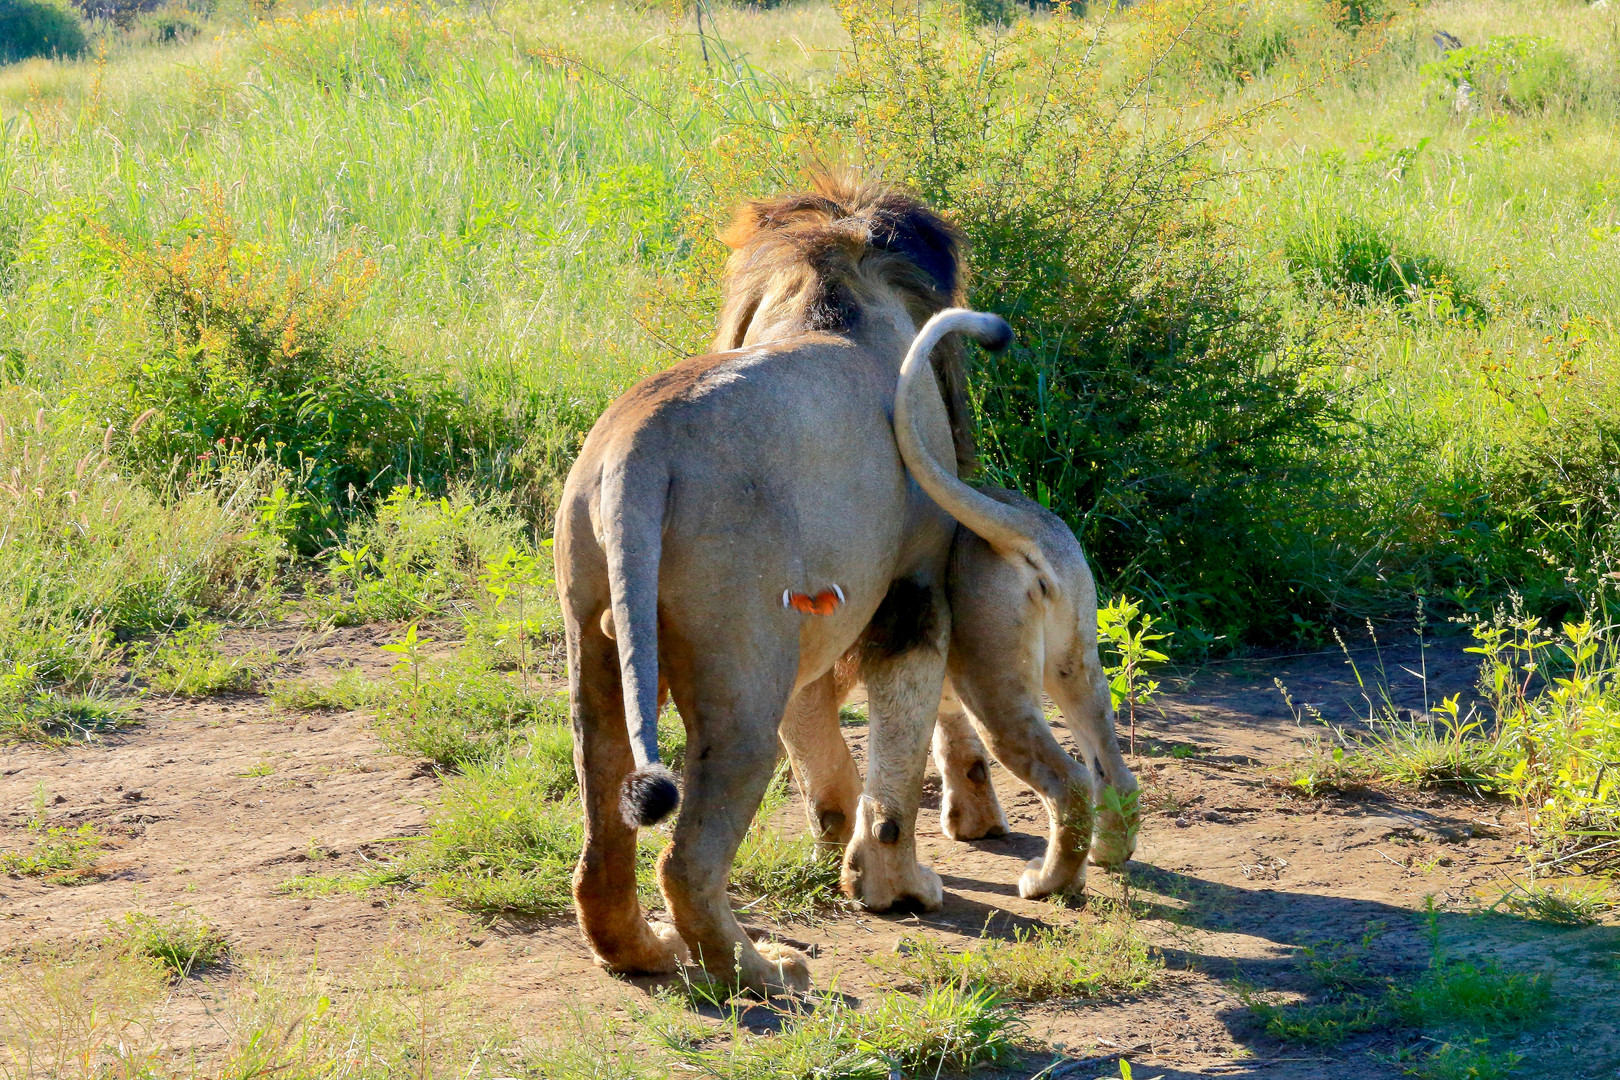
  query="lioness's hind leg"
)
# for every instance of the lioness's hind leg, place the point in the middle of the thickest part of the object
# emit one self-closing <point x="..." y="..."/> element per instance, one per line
<point x="1083" y="697"/>
<point x="822" y="763"/>
<point x="605" y="879"/>
<point x="970" y="809"/>
<point x="1011" y="718"/>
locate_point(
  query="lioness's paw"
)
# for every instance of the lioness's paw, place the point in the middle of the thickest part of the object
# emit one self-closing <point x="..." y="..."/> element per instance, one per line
<point x="1033" y="884"/>
<point x="972" y="815"/>
<point x="908" y="886"/>
<point x="790" y="967"/>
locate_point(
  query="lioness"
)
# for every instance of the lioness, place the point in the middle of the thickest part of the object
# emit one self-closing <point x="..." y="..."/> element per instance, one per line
<point x="746" y="518"/>
<point x="1018" y="624"/>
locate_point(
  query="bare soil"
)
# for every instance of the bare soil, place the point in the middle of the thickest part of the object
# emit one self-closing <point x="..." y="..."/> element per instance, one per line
<point x="211" y="805"/>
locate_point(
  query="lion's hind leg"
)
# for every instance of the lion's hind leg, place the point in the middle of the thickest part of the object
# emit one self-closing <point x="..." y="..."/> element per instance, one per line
<point x="730" y="757"/>
<point x="821" y="761"/>
<point x="605" y="879"/>
<point x="970" y="809"/>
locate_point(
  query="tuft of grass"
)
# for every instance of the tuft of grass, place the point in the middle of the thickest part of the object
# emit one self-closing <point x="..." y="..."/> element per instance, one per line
<point x="1473" y="1060"/>
<point x="459" y="711"/>
<point x="1326" y="1023"/>
<point x="947" y="1029"/>
<point x="80" y="1013"/>
<point x="191" y="663"/>
<point x="182" y="943"/>
<point x="350" y="690"/>
<point x="785" y="878"/>
<point x="1473" y="995"/>
<point x="1558" y="905"/>
<point x="1105" y="959"/>
<point x="31" y="713"/>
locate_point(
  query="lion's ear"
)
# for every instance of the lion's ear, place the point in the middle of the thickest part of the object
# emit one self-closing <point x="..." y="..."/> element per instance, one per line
<point x="928" y="242"/>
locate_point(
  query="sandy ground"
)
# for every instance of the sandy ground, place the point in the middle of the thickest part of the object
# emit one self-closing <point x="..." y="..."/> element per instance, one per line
<point x="211" y="805"/>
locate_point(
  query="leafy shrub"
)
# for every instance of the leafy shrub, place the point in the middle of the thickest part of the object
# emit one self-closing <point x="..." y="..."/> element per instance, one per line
<point x="30" y="28"/>
<point x="248" y="359"/>
<point x="1154" y="397"/>
<point x="1516" y="73"/>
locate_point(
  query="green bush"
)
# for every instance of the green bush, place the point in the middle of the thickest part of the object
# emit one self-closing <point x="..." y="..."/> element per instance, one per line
<point x="249" y="359"/>
<point x="30" y="28"/>
<point x="1517" y="73"/>
<point x="1153" y="397"/>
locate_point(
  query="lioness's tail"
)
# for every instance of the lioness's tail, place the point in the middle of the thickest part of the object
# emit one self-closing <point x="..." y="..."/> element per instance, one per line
<point x="1001" y="526"/>
<point x="633" y="520"/>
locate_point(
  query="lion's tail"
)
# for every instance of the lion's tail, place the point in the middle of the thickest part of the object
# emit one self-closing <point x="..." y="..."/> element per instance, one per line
<point x="633" y="512"/>
<point x="1001" y="526"/>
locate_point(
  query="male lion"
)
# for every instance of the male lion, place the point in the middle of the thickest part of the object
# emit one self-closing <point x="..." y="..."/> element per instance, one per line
<point x="1020" y="622"/>
<point x="736" y="523"/>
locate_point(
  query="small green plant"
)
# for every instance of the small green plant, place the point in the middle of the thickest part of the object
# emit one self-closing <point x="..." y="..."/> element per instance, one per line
<point x="1106" y="959"/>
<point x="182" y="943"/>
<point x="61" y="854"/>
<point x="1128" y="632"/>
<point x="49" y="28"/>
<point x="409" y="649"/>
<point x="516" y="579"/>
<point x="190" y="663"/>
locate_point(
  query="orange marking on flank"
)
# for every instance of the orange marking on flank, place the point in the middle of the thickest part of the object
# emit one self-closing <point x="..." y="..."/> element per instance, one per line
<point x="823" y="603"/>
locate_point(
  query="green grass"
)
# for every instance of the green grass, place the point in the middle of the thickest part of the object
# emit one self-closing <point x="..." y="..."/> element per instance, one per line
<point x="458" y="710"/>
<point x="350" y="690"/>
<point x="1457" y="1004"/>
<point x="191" y="663"/>
<point x="947" y="1029"/>
<point x="1560" y="905"/>
<point x="1106" y="958"/>
<point x="182" y="943"/>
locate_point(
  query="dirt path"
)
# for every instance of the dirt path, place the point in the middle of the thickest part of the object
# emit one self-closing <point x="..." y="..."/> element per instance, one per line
<point x="212" y="805"/>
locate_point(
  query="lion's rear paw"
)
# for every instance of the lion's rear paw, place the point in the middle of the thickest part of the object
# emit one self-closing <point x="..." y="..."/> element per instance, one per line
<point x="659" y="950"/>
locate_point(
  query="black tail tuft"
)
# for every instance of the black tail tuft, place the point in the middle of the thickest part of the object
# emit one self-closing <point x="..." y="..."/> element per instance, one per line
<point x="649" y="796"/>
<point x="996" y="336"/>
